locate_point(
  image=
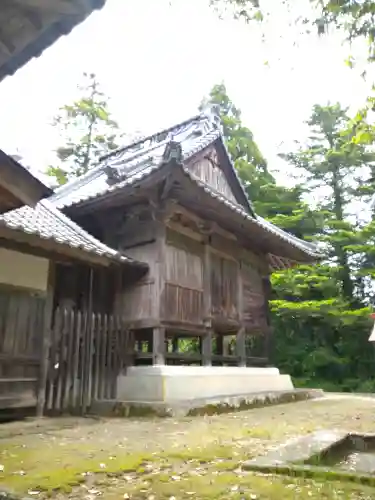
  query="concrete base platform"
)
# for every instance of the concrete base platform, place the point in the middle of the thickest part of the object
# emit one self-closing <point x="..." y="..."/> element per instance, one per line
<point x="168" y="384"/>
<point x="198" y="390"/>
<point x="196" y="407"/>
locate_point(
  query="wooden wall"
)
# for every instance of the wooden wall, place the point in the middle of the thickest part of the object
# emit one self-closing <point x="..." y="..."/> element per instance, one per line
<point x="182" y="299"/>
<point x="139" y="301"/>
<point x="21" y="329"/>
<point x="175" y="250"/>
<point x="208" y="170"/>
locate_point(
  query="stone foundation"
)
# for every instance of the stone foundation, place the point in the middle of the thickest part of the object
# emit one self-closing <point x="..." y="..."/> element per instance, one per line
<point x="169" y="384"/>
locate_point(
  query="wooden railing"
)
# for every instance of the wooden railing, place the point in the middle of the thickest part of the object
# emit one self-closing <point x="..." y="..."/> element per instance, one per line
<point x="87" y="352"/>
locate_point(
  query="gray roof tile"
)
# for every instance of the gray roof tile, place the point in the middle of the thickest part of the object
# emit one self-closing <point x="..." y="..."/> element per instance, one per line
<point x="47" y="222"/>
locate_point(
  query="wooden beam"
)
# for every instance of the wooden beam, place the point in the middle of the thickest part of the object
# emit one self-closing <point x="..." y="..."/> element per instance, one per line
<point x="66" y="7"/>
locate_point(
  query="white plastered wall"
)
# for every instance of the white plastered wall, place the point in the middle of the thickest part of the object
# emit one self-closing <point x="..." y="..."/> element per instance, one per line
<point x="23" y="270"/>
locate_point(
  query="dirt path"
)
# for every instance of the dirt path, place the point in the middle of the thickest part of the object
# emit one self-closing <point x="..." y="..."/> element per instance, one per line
<point x="154" y="459"/>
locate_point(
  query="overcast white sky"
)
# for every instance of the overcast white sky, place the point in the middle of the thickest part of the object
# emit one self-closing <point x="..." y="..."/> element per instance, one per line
<point x="156" y="59"/>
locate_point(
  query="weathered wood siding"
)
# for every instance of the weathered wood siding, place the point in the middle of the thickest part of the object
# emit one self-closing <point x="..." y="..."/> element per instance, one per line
<point x="139" y="301"/>
<point x="21" y="329"/>
<point x="254" y="314"/>
<point x="224" y="287"/>
<point x="212" y="175"/>
<point x="182" y="299"/>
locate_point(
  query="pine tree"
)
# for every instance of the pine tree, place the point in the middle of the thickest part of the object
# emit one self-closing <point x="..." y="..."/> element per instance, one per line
<point x="88" y="130"/>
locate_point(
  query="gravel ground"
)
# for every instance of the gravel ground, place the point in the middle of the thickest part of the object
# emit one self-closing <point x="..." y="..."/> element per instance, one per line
<point x="153" y="459"/>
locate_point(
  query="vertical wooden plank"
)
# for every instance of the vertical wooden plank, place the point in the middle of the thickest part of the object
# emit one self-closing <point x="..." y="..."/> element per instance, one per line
<point x="87" y="396"/>
<point x="112" y="326"/>
<point x="76" y="334"/>
<point x="82" y="358"/>
<point x="87" y="365"/>
<point x="96" y="356"/>
<point x="102" y="357"/>
<point x="69" y="329"/>
<point x="60" y="360"/>
<point x="241" y="334"/>
<point x="64" y="358"/>
<point x="46" y="334"/>
<point x="51" y="362"/>
<point x="118" y="347"/>
<point x="55" y="357"/>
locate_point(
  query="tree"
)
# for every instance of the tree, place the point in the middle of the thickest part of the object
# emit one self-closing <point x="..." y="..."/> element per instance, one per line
<point x="281" y="205"/>
<point x="88" y="129"/>
<point x="319" y="311"/>
<point x="332" y="166"/>
<point x="322" y="309"/>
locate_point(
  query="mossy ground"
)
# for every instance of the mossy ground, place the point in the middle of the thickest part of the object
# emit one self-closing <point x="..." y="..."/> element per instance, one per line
<point x="155" y="459"/>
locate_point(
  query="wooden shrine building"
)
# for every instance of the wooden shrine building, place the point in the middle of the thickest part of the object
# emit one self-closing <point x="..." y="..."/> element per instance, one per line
<point x="174" y="201"/>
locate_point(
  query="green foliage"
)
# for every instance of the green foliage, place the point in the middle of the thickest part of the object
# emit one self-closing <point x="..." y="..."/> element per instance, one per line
<point x="320" y="312"/>
<point x="88" y="131"/>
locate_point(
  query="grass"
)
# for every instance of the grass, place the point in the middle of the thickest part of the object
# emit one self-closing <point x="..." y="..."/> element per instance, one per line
<point x="151" y="459"/>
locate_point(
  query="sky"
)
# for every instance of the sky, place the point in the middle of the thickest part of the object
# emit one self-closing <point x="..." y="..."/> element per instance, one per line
<point x="157" y="59"/>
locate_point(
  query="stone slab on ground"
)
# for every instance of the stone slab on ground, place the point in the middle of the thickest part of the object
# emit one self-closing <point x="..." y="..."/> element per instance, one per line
<point x="202" y="406"/>
<point x="307" y="456"/>
<point x="298" y="449"/>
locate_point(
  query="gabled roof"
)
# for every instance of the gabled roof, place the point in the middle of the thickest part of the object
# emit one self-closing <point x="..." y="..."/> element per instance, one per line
<point x="49" y="224"/>
<point x="28" y="27"/>
<point x="140" y="158"/>
<point x="18" y="186"/>
<point x="133" y="164"/>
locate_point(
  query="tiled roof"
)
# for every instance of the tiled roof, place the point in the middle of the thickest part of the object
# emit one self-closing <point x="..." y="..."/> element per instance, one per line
<point x="25" y="39"/>
<point x="309" y="248"/>
<point x="47" y="222"/>
<point x="138" y="161"/>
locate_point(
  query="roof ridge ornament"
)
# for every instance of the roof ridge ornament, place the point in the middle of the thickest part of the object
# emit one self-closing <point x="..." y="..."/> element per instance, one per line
<point x="173" y="151"/>
<point x="211" y="112"/>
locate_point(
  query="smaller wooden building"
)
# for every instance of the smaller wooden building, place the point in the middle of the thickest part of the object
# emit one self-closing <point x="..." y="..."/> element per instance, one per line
<point x="36" y="246"/>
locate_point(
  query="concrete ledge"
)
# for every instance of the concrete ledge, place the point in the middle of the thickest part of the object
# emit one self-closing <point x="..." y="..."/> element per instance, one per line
<point x="305" y="456"/>
<point x="168" y="384"/>
<point x="206" y="406"/>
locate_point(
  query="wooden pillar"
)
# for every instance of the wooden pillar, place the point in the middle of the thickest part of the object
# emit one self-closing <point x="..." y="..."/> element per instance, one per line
<point x="44" y="358"/>
<point x="159" y="216"/>
<point x="241" y="346"/>
<point x="158" y="346"/>
<point x="206" y="340"/>
<point x="219" y="345"/>
<point x="268" y="344"/>
<point x="241" y="333"/>
<point x="175" y="344"/>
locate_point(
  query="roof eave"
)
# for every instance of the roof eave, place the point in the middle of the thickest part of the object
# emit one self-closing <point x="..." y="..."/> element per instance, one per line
<point x="45" y="36"/>
<point x="50" y="248"/>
